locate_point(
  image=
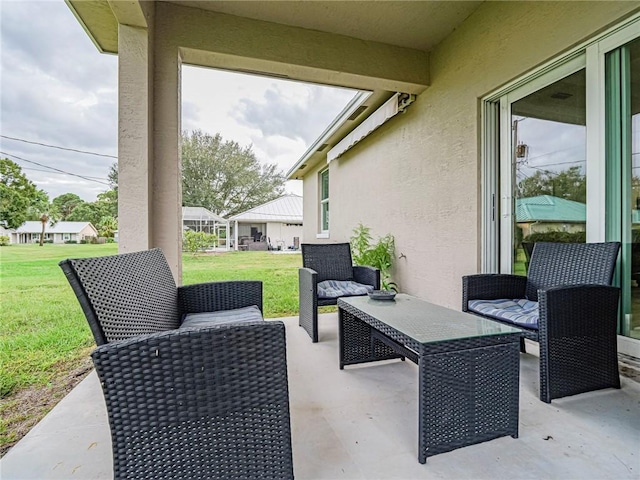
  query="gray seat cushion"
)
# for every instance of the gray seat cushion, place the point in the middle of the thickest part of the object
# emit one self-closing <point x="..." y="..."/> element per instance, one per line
<point x="222" y="317"/>
<point x="342" y="288"/>
<point x="519" y="311"/>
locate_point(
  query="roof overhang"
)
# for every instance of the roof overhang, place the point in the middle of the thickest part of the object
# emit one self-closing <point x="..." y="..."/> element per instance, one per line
<point x="408" y="24"/>
<point x="395" y="36"/>
<point x="361" y="106"/>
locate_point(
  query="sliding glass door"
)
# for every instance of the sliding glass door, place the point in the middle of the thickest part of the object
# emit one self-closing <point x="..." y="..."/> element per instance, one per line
<point x="561" y="162"/>
<point x="543" y="164"/>
<point x="622" y="101"/>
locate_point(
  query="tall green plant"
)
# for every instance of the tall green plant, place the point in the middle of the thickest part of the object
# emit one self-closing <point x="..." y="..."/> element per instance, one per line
<point x="379" y="255"/>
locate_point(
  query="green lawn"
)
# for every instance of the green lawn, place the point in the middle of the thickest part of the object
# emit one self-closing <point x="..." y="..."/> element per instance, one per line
<point x="44" y="334"/>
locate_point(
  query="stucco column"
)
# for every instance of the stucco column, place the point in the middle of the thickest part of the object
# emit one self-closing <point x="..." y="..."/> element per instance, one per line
<point x="135" y="149"/>
<point x="166" y="217"/>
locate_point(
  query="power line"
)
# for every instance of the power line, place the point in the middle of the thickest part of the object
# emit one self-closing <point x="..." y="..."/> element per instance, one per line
<point x="31" y="169"/>
<point x="554" y="164"/>
<point x="55" y="169"/>
<point x="59" y="148"/>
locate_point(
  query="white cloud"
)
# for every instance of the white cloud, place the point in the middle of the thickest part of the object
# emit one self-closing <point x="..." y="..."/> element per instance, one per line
<point x="57" y="89"/>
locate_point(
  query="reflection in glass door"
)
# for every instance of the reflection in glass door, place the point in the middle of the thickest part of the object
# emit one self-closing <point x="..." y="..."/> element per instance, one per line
<point x="547" y="166"/>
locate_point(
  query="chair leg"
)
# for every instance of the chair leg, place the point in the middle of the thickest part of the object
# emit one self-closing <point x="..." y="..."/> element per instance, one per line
<point x="523" y="347"/>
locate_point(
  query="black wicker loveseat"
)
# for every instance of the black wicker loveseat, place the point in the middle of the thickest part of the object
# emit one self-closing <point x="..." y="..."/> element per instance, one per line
<point x="567" y="304"/>
<point x="195" y="381"/>
<point x="330" y="262"/>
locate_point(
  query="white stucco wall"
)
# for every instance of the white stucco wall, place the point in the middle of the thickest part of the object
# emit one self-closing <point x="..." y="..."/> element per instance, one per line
<point x="283" y="234"/>
<point x="418" y="176"/>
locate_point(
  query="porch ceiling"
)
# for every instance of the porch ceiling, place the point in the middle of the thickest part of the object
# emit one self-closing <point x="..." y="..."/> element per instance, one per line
<point x="408" y="24"/>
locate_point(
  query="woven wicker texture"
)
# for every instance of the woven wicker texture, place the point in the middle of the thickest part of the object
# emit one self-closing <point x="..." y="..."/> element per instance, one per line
<point x="331" y="261"/>
<point x="468" y="387"/>
<point x="470" y="396"/>
<point x="565" y="264"/>
<point x="578" y="319"/>
<point x="125" y="295"/>
<point x="320" y="262"/>
<point x="214" y="296"/>
<point x="207" y="403"/>
<point x="358" y="345"/>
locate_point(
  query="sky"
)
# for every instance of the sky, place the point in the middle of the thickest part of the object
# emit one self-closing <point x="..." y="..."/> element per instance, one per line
<point x="57" y="89"/>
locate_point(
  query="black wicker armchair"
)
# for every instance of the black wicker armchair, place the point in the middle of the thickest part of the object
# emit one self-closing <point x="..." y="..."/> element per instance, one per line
<point x="185" y="401"/>
<point x="329" y="262"/>
<point x="567" y="304"/>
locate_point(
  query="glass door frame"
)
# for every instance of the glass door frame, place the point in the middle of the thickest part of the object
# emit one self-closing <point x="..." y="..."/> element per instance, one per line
<point x="494" y="109"/>
<point x="613" y="60"/>
<point x="506" y="166"/>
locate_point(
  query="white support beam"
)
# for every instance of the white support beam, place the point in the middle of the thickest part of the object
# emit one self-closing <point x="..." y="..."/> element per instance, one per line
<point x="242" y="44"/>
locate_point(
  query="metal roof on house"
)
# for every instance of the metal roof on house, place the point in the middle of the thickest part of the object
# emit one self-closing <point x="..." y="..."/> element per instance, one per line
<point x="550" y="209"/>
<point x="286" y="209"/>
<point x="60" y="227"/>
<point x="201" y="214"/>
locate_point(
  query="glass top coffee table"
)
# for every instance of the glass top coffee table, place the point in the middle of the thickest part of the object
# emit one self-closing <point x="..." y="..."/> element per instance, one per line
<point x="468" y="366"/>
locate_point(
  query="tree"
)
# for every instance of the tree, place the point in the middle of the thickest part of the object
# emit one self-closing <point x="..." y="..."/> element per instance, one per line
<point x="65" y="204"/>
<point x="107" y="226"/>
<point x="113" y="177"/>
<point x="86" y="212"/>
<point x="569" y="184"/>
<point x="224" y="177"/>
<point x="45" y="212"/>
<point x="103" y="213"/>
<point x="17" y="194"/>
<point x="108" y="202"/>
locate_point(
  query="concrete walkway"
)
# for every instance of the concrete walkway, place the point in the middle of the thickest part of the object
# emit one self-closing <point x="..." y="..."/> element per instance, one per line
<point x="361" y="423"/>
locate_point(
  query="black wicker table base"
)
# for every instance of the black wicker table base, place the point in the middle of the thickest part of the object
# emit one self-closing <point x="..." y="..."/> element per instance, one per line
<point x="468" y="367"/>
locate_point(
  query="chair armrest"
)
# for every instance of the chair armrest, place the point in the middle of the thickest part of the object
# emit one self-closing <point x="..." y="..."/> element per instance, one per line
<point x="491" y="286"/>
<point x="214" y="296"/>
<point x="308" y="280"/>
<point x="578" y="311"/>
<point x="367" y="275"/>
<point x="163" y="388"/>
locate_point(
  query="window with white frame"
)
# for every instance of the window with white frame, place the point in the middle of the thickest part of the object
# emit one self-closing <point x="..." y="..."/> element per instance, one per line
<point x="324" y="201"/>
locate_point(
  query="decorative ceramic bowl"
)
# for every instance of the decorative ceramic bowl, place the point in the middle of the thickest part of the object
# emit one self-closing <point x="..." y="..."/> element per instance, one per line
<point x="382" y="295"/>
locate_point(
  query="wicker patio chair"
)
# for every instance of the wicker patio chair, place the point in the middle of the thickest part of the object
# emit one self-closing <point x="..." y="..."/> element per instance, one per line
<point x="567" y="304"/>
<point x="329" y="261"/>
<point x="195" y="402"/>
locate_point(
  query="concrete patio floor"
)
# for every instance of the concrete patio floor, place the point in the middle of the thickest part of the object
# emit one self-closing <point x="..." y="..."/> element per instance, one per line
<point x="361" y="423"/>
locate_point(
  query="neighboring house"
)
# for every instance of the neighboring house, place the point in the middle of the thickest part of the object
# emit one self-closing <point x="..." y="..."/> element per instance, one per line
<point x="546" y="213"/>
<point x="487" y="91"/>
<point x="273" y="225"/>
<point x="29" y="232"/>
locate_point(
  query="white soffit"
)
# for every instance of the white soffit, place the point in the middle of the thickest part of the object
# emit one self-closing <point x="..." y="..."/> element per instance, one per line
<point x="396" y="104"/>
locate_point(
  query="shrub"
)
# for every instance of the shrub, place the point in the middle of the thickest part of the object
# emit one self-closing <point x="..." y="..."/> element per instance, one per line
<point x="557" y="237"/>
<point x="379" y="255"/>
<point x="195" y="241"/>
<point x="70" y="241"/>
<point x="4" y="240"/>
<point x="110" y="240"/>
<point x="83" y="241"/>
